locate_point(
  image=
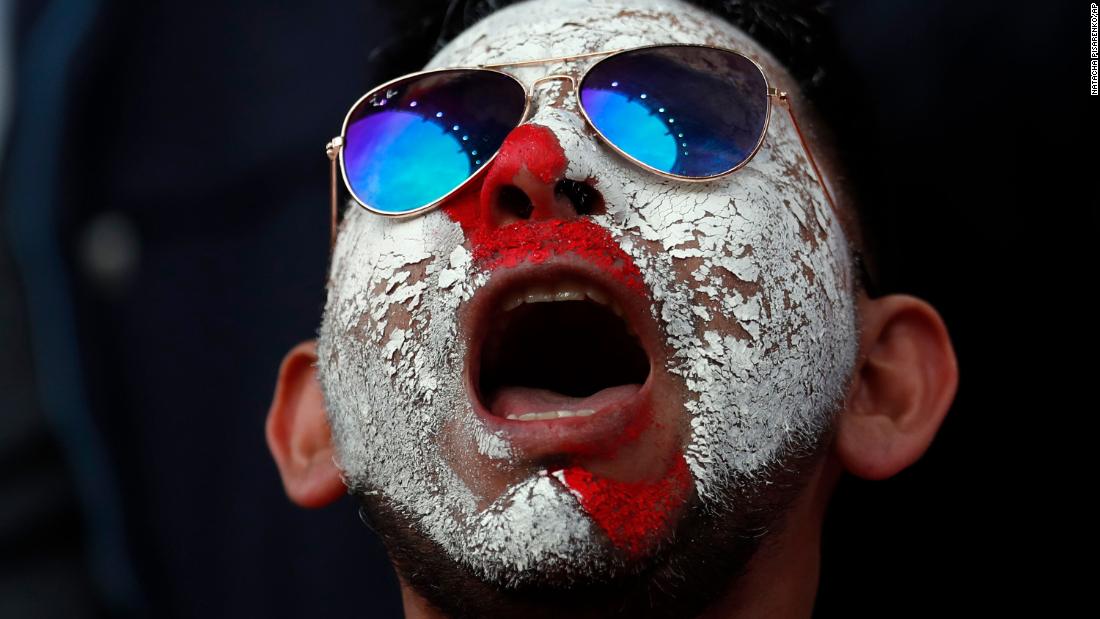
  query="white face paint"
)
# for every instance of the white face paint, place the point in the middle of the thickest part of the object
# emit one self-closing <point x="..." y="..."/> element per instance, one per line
<point x="748" y="276"/>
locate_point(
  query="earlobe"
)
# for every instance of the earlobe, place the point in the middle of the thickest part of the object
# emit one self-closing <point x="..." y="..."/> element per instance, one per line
<point x="298" y="432"/>
<point x="904" y="384"/>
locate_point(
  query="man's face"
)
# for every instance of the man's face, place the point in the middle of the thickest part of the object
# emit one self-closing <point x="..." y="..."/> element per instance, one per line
<point x="692" y="338"/>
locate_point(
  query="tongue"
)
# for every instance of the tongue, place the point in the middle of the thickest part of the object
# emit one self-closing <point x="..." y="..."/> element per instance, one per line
<point x="512" y="400"/>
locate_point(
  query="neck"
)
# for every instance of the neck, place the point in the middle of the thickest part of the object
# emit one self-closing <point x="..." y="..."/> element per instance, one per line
<point x="780" y="580"/>
<point x="416" y="607"/>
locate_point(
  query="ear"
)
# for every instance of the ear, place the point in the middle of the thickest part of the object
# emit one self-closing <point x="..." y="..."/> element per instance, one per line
<point x="298" y="432"/>
<point x="905" y="381"/>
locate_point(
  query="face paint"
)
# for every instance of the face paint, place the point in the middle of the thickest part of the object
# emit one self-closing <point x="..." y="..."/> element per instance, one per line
<point x="744" y="280"/>
<point x="629" y="512"/>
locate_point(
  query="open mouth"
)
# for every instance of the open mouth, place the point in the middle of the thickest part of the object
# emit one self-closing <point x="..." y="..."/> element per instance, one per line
<point x="558" y="349"/>
<point x="556" y="346"/>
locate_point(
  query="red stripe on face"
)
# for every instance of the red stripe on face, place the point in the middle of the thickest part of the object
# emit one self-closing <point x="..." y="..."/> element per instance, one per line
<point x="631" y="513"/>
<point x="537" y="241"/>
<point x="542" y="236"/>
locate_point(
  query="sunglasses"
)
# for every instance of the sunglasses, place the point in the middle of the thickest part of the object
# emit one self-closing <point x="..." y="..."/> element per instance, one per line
<point x="686" y="112"/>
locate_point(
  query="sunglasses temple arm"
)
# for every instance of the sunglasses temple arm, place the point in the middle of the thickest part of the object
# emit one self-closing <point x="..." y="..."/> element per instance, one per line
<point x="805" y="147"/>
<point x="332" y="150"/>
<point x="861" y="263"/>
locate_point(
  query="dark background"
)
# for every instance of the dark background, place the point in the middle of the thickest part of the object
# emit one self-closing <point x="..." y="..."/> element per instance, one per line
<point x="164" y="243"/>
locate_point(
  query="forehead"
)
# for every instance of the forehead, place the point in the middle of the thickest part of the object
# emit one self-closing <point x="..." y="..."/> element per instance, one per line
<point x="554" y="28"/>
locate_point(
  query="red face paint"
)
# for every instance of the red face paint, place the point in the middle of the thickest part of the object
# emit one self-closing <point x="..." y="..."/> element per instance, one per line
<point x="536" y="239"/>
<point x="630" y="513"/>
<point x="529" y="146"/>
<point x="533" y="147"/>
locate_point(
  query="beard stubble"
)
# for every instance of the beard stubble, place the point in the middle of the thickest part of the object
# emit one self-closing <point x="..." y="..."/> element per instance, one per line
<point x="697" y="563"/>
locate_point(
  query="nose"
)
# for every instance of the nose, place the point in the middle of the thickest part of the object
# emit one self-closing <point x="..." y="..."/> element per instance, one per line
<point x="527" y="181"/>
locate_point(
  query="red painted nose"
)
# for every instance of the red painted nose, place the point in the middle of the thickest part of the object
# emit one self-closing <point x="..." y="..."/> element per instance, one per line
<point x="527" y="181"/>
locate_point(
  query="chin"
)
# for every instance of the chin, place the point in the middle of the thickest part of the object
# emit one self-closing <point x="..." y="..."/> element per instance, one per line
<point x="704" y="556"/>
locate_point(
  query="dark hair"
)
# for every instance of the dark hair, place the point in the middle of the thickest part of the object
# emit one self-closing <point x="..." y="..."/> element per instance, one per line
<point x="801" y="35"/>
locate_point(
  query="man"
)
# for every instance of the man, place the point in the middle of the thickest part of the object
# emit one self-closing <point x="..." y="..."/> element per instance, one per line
<point x="578" y="388"/>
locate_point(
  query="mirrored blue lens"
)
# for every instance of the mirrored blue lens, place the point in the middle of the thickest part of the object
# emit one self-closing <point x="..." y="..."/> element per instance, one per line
<point x="684" y="110"/>
<point x="413" y="142"/>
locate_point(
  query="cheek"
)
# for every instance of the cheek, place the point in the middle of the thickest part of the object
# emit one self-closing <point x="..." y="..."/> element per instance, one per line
<point x="393" y="284"/>
<point x="746" y="268"/>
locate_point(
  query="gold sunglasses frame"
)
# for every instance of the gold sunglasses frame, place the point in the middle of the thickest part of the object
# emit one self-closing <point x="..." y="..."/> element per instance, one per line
<point x="335" y="148"/>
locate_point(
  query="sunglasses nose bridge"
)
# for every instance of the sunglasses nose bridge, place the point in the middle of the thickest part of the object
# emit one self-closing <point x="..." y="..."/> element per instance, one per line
<point x="557" y="76"/>
<point x="547" y="79"/>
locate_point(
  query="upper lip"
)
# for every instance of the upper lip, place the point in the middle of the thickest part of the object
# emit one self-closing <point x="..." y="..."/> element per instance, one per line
<point x="585" y="435"/>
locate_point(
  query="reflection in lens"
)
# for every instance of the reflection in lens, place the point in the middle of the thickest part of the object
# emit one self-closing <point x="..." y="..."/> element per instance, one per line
<point x="694" y="111"/>
<point x="410" y="144"/>
<point x="638" y="130"/>
<point x="389" y="166"/>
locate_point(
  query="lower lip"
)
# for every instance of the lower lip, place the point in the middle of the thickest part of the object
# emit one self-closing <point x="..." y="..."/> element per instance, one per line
<point x="602" y="433"/>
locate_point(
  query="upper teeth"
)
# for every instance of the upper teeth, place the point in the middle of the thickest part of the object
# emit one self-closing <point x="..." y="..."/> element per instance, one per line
<point x="584" y="412"/>
<point x="562" y="291"/>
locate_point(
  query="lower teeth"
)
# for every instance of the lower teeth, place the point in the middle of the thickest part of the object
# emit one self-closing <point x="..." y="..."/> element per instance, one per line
<point x="584" y="412"/>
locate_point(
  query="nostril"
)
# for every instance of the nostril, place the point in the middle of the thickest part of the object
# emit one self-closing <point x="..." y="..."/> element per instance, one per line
<point x="585" y="198"/>
<point x="515" y="201"/>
